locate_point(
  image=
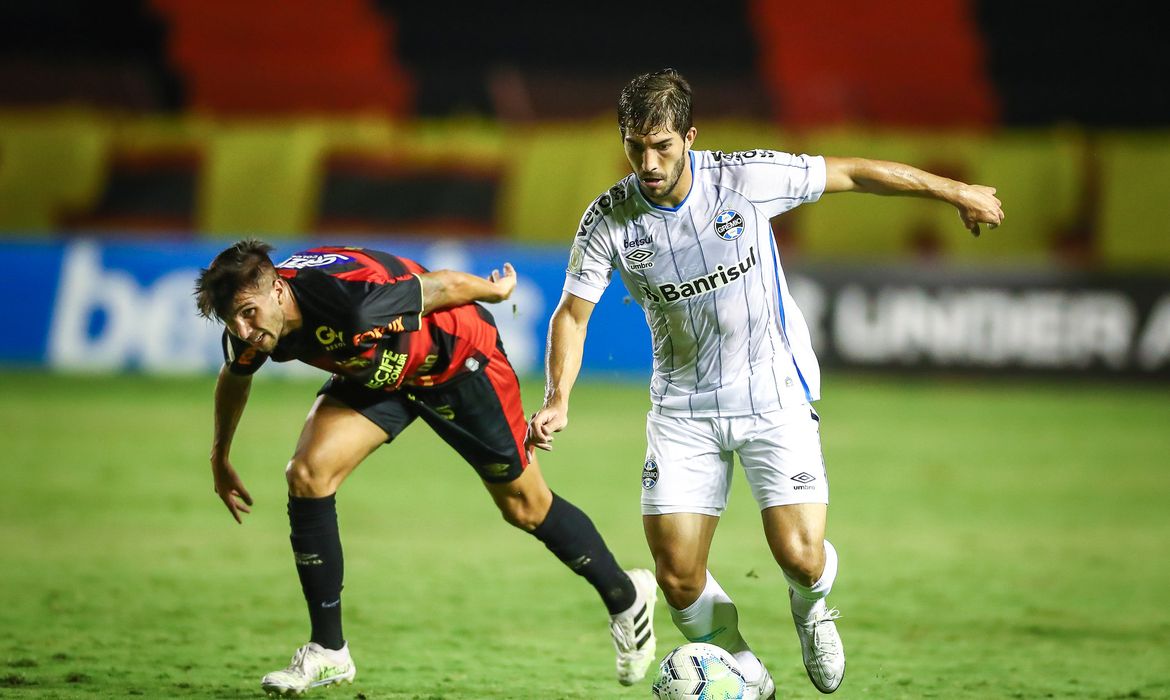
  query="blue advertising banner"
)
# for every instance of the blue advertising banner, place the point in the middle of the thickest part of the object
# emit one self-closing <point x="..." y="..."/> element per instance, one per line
<point x="89" y="305"/>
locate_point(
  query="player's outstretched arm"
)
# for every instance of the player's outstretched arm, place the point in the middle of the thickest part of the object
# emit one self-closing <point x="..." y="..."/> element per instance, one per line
<point x="231" y="395"/>
<point x="566" y="343"/>
<point x="977" y="204"/>
<point x="443" y="289"/>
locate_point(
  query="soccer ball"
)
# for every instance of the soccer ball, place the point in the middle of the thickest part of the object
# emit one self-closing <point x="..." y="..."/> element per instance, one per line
<point x="699" y="672"/>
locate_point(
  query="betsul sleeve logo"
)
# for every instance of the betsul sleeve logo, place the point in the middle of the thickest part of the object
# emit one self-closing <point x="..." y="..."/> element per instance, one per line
<point x="729" y="224"/>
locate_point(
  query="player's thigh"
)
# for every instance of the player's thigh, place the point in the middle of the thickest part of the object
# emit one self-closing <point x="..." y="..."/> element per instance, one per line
<point x="687" y="469"/>
<point x="781" y="456"/>
<point x="333" y="441"/>
<point x="681" y="540"/>
<point x="796" y="533"/>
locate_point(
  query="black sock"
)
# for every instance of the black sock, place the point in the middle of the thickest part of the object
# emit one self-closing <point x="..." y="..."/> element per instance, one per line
<point x="571" y="535"/>
<point x="316" y="546"/>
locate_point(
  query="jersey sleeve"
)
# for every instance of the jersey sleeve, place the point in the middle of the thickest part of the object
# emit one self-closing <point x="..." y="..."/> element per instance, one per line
<point x="396" y="304"/>
<point x="241" y="358"/>
<point x="591" y="259"/>
<point x="772" y="180"/>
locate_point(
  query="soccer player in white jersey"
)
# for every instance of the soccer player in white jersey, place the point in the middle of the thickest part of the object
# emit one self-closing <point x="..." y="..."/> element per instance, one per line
<point x="734" y="370"/>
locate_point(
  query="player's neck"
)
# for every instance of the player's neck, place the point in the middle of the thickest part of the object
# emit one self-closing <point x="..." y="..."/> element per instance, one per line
<point x="293" y="320"/>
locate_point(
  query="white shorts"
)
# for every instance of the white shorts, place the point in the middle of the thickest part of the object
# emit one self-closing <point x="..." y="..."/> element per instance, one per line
<point x="689" y="461"/>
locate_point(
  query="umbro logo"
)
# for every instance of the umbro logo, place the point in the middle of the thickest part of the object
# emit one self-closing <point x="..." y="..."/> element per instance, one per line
<point x="804" y="481"/>
<point x="640" y="259"/>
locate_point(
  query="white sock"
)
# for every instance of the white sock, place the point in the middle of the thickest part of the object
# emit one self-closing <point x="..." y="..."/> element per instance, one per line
<point x="713" y="619"/>
<point x="811" y="599"/>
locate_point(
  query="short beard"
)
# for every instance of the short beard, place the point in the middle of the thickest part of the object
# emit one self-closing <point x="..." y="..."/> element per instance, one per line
<point x="675" y="175"/>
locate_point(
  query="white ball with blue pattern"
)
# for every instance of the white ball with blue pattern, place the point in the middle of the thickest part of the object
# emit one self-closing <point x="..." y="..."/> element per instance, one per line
<point x="699" y="671"/>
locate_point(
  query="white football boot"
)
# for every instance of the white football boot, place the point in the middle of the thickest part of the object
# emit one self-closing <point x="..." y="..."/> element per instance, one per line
<point x="312" y="666"/>
<point x="820" y="645"/>
<point x="633" y="630"/>
<point x="763" y="688"/>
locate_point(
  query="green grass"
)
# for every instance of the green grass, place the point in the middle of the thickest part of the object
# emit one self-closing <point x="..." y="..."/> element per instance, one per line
<point x="997" y="540"/>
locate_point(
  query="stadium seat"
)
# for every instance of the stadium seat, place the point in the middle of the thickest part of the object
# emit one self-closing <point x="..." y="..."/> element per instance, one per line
<point x="906" y="63"/>
<point x="269" y="56"/>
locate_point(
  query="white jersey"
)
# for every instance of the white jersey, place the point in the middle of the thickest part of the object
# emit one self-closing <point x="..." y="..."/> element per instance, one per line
<point x="728" y="339"/>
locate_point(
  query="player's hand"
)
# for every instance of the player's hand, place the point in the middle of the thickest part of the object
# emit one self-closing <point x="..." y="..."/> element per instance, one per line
<point x="978" y="205"/>
<point x="503" y="284"/>
<point x="542" y="427"/>
<point x="230" y="489"/>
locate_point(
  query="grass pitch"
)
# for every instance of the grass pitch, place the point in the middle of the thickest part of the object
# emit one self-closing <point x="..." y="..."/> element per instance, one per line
<point x="998" y="540"/>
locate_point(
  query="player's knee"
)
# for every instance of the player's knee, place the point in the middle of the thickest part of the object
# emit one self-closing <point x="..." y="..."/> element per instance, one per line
<point x="521" y="514"/>
<point x="802" y="559"/>
<point x="306" y="479"/>
<point x="524" y="503"/>
<point x="681" y="584"/>
<point x="525" y="511"/>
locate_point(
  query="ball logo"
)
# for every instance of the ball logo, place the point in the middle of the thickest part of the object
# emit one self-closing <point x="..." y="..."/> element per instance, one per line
<point x="729" y="224"/>
<point x="649" y="474"/>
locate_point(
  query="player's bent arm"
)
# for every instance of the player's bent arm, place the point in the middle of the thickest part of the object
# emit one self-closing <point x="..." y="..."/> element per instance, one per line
<point x="977" y="204"/>
<point x="443" y="289"/>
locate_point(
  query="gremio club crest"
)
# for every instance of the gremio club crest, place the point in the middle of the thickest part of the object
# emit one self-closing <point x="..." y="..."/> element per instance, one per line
<point x="729" y="224"/>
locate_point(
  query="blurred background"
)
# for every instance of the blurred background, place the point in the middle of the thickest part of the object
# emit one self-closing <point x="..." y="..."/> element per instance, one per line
<point x="1004" y="521"/>
<point x="137" y="137"/>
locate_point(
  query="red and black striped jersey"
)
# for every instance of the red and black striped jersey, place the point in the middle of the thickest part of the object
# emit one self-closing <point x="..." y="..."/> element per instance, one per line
<point x="362" y="318"/>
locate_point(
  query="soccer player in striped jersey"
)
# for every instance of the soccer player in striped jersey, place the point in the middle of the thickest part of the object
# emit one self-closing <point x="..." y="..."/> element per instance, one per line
<point x="734" y="369"/>
<point x="401" y="343"/>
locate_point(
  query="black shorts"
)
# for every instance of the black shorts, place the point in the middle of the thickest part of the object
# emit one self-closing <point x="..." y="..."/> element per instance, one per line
<point x="478" y="414"/>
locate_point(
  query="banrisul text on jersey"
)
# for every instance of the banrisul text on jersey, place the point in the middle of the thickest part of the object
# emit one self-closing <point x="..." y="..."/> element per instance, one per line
<point x="722" y="276"/>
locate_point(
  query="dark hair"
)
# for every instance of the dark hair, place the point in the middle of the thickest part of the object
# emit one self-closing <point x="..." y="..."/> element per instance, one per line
<point x="655" y="100"/>
<point x="237" y="268"/>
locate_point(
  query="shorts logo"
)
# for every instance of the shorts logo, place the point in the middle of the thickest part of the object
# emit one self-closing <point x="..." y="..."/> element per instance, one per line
<point x="649" y="474"/>
<point x="729" y="224"/>
<point x="804" y="479"/>
<point x="640" y="259"/>
<point x="497" y="469"/>
<point x="303" y="260"/>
